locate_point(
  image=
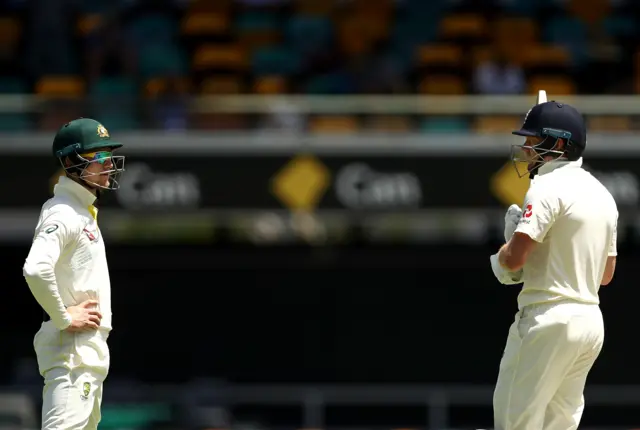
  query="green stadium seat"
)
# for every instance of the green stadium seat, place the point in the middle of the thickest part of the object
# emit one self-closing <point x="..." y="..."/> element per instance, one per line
<point x="620" y="26"/>
<point x="275" y="61"/>
<point x="15" y="122"/>
<point x="139" y="416"/>
<point x="254" y="21"/>
<point x="118" y="86"/>
<point x="162" y="60"/>
<point x="331" y="83"/>
<point x="309" y="33"/>
<point x="113" y="101"/>
<point x="154" y="29"/>
<point x="95" y="6"/>
<point x="13" y="85"/>
<point x="444" y="125"/>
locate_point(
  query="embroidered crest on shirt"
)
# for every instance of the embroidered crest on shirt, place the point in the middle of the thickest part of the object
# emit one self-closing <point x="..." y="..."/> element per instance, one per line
<point x="86" y="389"/>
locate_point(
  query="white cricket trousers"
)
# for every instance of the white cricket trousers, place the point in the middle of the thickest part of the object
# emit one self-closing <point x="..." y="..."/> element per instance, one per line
<point x="549" y="352"/>
<point x="74" y="367"/>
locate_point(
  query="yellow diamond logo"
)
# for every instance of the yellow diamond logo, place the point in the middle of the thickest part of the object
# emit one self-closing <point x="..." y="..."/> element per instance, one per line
<point x="507" y="187"/>
<point x="301" y="183"/>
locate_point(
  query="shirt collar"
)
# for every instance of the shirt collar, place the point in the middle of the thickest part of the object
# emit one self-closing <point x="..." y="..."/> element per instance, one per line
<point x="66" y="186"/>
<point x="554" y="164"/>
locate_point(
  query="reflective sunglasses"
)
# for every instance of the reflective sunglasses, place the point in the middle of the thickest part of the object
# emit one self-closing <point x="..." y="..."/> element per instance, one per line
<point x="99" y="157"/>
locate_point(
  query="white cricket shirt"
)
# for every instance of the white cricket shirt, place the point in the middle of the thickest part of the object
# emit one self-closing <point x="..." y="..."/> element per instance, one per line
<point x="67" y="265"/>
<point x="574" y="218"/>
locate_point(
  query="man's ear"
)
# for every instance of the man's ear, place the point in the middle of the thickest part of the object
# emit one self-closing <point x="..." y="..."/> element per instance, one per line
<point x="561" y="144"/>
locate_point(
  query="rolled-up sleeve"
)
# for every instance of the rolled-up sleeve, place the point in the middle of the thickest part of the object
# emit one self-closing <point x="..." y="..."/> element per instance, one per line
<point x="51" y="237"/>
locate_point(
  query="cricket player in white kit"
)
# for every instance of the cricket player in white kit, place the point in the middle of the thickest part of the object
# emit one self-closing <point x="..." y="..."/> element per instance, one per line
<point x="67" y="272"/>
<point x="562" y="246"/>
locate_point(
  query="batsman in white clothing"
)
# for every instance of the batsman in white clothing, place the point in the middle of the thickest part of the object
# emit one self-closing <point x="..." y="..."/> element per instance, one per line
<point x="562" y="246"/>
<point x="67" y="272"/>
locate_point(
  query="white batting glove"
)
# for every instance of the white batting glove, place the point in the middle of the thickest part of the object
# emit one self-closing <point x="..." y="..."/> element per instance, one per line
<point x="503" y="276"/>
<point x="511" y="219"/>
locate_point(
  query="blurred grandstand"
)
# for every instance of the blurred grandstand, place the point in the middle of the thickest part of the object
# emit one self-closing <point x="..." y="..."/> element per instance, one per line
<point x="335" y="237"/>
<point x="133" y="64"/>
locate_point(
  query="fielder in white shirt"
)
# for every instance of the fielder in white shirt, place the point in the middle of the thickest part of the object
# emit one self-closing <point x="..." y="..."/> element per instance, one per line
<point x="67" y="272"/>
<point x="562" y="246"/>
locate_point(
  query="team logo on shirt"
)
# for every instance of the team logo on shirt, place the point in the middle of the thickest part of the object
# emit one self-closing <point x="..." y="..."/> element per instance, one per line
<point x="86" y="389"/>
<point x="51" y="229"/>
<point x="528" y="211"/>
<point x="92" y="235"/>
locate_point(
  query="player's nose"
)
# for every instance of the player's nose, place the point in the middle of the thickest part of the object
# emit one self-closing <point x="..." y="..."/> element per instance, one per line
<point x="108" y="164"/>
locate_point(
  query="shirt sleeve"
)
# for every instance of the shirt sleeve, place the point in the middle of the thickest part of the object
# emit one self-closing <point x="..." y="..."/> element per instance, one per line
<point x="52" y="235"/>
<point x="538" y="214"/>
<point x="613" y="245"/>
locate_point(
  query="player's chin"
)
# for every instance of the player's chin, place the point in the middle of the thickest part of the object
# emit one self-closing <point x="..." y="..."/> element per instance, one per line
<point x="104" y="180"/>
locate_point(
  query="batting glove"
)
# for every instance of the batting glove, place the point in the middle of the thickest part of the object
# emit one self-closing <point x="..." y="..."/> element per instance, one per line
<point x="502" y="275"/>
<point x="511" y="219"/>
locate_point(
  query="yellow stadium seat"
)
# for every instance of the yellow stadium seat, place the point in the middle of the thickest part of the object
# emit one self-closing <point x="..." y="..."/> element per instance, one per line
<point x="560" y="85"/>
<point x="518" y="31"/>
<point x="220" y="56"/>
<point x="358" y="33"/>
<point x="609" y="123"/>
<point x="439" y="54"/>
<point x="89" y="23"/>
<point x="387" y="123"/>
<point x="590" y="11"/>
<point x="546" y="55"/>
<point x="442" y="85"/>
<point x="375" y="5"/>
<point x="60" y="86"/>
<point x="155" y="87"/>
<point x="497" y="124"/>
<point x="333" y="124"/>
<point x="480" y="54"/>
<point x="10" y="31"/>
<point x="216" y="121"/>
<point x="205" y="23"/>
<point x="352" y="40"/>
<point x="222" y="85"/>
<point x="270" y="85"/>
<point x="463" y="25"/>
<point x="314" y="7"/>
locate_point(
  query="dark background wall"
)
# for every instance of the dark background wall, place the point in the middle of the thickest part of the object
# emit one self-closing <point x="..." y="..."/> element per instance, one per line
<point x="297" y="314"/>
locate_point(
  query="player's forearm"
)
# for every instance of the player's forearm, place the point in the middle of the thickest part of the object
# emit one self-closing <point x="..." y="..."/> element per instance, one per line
<point x="508" y="259"/>
<point x="42" y="282"/>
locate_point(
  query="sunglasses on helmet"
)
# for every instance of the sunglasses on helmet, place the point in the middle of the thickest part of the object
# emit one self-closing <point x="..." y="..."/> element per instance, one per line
<point x="99" y="156"/>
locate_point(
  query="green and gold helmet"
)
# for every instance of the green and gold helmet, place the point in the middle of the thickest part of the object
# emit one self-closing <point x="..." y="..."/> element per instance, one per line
<point x="84" y="141"/>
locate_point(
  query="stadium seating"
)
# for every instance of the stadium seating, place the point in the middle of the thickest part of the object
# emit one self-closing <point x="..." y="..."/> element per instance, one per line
<point x="309" y="46"/>
<point x="334" y="124"/>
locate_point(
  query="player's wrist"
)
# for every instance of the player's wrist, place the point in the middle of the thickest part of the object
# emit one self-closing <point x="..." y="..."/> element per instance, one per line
<point x="66" y="321"/>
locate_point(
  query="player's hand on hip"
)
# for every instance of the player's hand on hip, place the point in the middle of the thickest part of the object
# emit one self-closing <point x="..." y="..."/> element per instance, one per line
<point x="84" y="317"/>
<point x="511" y="219"/>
